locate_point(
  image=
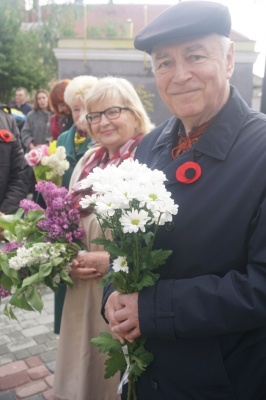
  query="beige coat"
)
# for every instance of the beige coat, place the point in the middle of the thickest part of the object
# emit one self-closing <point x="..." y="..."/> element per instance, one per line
<point x="80" y="369"/>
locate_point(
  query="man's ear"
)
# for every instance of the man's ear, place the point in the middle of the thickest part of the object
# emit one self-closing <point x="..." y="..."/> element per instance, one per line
<point x="230" y="61"/>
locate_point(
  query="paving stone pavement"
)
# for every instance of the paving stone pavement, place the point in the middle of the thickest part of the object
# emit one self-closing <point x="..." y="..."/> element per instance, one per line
<point x="28" y="352"/>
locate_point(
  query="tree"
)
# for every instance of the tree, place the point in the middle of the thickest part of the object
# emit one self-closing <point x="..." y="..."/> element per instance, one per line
<point x="26" y="57"/>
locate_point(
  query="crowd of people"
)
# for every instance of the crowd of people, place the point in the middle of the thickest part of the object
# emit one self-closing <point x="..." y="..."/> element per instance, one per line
<point x="204" y="320"/>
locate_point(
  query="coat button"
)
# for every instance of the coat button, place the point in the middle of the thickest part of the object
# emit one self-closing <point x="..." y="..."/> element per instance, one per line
<point x="169" y="226"/>
<point x="154" y="384"/>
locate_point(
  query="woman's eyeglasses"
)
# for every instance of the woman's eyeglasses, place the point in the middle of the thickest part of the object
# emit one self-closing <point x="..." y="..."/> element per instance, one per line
<point x="109" y="113"/>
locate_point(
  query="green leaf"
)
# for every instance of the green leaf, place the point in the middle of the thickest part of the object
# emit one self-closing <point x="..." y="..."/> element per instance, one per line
<point x="9" y="272"/>
<point x="35" y="300"/>
<point x="146" y="281"/>
<point x="10" y="221"/>
<point x="31" y="280"/>
<point x="116" y="359"/>
<point x="159" y="257"/>
<point x="116" y="362"/>
<point x="8" y="311"/>
<point x="106" y="343"/>
<point x="46" y="268"/>
<point x="20" y="301"/>
<point x="66" y="278"/>
<point x="6" y="282"/>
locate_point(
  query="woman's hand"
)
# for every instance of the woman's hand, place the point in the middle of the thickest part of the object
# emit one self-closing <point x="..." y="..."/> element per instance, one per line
<point x="90" y="265"/>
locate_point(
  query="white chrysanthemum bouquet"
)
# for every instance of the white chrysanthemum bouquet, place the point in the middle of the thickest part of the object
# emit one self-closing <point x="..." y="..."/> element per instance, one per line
<point x="131" y="201"/>
<point x="48" y="163"/>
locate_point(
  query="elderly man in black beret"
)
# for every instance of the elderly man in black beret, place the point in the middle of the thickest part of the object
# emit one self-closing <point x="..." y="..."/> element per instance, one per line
<point x="205" y="319"/>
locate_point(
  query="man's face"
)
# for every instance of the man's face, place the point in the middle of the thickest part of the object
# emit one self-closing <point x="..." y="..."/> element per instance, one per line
<point x="192" y="77"/>
<point x="20" y="97"/>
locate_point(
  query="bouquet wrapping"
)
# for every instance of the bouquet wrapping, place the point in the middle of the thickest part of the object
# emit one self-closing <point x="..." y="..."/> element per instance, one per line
<point x="132" y="202"/>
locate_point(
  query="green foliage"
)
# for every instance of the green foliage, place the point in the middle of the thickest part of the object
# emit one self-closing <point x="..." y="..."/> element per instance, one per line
<point x="146" y="98"/>
<point x="26" y="54"/>
<point x="25" y="282"/>
<point x="109" y="29"/>
<point x="139" y="358"/>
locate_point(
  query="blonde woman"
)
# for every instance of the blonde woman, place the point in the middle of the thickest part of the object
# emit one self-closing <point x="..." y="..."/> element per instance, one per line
<point x="117" y="121"/>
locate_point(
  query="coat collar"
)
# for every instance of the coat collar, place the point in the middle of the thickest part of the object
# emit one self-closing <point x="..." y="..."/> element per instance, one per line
<point x="219" y="137"/>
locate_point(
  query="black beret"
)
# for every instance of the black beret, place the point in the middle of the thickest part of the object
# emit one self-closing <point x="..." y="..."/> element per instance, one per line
<point x="183" y="21"/>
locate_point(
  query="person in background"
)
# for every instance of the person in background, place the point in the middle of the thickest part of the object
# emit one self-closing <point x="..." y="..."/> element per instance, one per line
<point x="62" y="119"/>
<point x="205" y="318"/>
<point x="76" y="139"/>
<point x="76" y="142"/>
<point x="36" y="131"/>
<point x="20" y="107"/>
<point x="36" y="128"/>
<point x="21" y="101"/>
<point x="14" y="176"/>
<point x="117" y="121"/>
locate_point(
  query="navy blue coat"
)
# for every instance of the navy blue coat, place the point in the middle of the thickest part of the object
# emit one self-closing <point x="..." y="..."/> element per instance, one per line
<point x="205" y="319"/>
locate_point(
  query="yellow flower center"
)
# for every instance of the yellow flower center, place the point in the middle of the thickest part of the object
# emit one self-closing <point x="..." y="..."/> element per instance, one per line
<point x="135" y="221"/>
<point x="153" y="196"/>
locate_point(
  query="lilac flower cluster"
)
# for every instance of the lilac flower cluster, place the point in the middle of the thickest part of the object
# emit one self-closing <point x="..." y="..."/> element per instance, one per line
<point x="3" y="292"/>
<point x="11" y="246"/>
<point x="29" y="205"/>
<point x="61" y="220"/>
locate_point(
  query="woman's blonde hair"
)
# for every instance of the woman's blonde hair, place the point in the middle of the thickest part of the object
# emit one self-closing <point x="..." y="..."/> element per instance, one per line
<point x="111" y="87"/>
<point x="77" y="88"/>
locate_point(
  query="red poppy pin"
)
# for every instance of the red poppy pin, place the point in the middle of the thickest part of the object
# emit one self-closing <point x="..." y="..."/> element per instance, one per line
<point x="5" y="135"/>
<point x="188" y="172"/>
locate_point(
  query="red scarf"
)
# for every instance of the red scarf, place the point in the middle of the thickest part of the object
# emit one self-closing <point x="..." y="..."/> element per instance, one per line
<point x="185" y="142"/>
<point x="100" y="158"/>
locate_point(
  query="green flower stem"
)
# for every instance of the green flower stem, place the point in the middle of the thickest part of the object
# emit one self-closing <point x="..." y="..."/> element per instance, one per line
<point x="136" y="259"/>
<point x="131" y="394"/>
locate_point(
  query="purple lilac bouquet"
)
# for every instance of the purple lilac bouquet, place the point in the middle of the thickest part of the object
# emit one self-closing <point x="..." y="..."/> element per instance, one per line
<point x="40" y="246"/>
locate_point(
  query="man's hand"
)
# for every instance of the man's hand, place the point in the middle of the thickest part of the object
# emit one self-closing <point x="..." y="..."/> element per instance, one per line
<point x="121" y="310"/>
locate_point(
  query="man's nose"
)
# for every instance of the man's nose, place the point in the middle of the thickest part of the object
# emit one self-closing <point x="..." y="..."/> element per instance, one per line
<point x="181" y="72"/>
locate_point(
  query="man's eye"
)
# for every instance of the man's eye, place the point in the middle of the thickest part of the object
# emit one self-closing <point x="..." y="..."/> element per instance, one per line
<point x="196" y="58"/>
<point x="163" y="65"/>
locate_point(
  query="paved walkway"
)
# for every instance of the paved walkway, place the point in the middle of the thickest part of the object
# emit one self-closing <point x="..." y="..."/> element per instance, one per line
<point x="28" y="353"/>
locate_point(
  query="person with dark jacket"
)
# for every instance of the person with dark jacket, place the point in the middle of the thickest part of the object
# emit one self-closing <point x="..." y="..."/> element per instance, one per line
<point x="14" y="176"/>
<point x="20" y="105"/>
<point x="205" y="319"/>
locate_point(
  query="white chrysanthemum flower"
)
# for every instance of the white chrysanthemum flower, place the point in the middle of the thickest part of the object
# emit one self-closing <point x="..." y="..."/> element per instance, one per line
<point x="105" y="205"/>
<point x="88" y="201"/>
<point x="120" y="264"/>
<point x="133" y="221"/>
